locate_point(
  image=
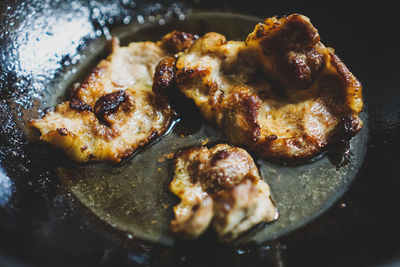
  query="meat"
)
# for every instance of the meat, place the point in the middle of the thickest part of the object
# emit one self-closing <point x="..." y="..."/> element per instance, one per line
<point x="220" y="186"/>
<point x="114" y="111"/>
<point x="281" y="93"/>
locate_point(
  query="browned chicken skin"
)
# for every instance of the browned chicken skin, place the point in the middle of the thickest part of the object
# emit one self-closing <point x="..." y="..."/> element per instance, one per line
<point x="220" y="186"/>
<point x="114" y="111"/>
<point x="281" y="93"/>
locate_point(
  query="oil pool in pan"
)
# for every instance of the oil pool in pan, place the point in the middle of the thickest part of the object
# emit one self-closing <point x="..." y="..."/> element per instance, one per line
<point x="134" y="196"/>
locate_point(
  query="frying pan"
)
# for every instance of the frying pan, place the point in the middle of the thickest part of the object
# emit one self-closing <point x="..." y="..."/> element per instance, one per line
<point x="42" y="222"/>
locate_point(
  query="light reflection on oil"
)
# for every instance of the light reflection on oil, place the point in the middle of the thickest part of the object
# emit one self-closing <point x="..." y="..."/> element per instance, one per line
<point x="6" y="188"/>
<point x="41" y="48"/>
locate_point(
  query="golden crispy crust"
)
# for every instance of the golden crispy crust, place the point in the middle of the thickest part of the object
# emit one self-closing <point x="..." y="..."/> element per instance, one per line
<point x="219" y="186"/>
<point x="114" y="111"/>
<point x="281" y="93"/>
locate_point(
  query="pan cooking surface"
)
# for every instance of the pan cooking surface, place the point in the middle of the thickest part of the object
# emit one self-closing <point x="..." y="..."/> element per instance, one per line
<point x="134" y="196"/>
<point x="42" y="223"/>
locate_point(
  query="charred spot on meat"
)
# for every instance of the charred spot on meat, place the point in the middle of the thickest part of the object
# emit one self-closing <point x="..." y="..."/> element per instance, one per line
<point x="109" y="104"/>
<point x="79" y="105"/>
<point x="177" y="41"/>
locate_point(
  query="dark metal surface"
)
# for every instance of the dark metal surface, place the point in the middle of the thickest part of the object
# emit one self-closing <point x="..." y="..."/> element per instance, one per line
<point x="41" y="224"/>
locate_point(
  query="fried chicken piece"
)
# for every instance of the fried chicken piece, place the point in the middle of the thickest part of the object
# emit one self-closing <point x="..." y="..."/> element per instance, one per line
<point x="220" y="186"/>
<point x="114" y="111"/>
<point x="281" y="93"/>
